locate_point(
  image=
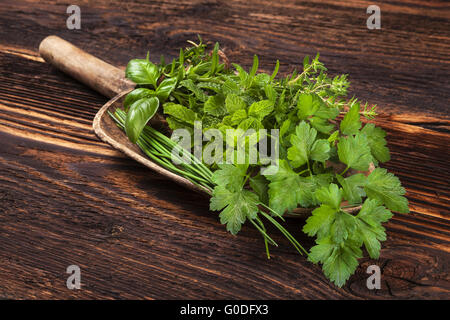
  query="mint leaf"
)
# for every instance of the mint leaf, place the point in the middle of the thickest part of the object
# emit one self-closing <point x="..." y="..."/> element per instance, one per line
<point x="354" y="151"/>
<point x="386" y="188"/>
<point x="191" y="86"/>
<point x="181" y="113"/>
<point x="260" y="109"/>
<point x="351" y="123"/>
<point x="377" y="142"/>
<point x="215" y="105"/>
<point x="238" y="116"/>
<point x="250" y="123"/>
<point x="233" y="103"/>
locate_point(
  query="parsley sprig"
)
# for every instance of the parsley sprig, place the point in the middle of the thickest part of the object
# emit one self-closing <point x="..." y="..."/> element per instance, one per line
<point x="325" y="149"/>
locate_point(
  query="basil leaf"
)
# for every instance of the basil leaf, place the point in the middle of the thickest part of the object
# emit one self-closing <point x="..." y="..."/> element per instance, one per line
<point x="165" y="88"/>
<point x="141" y="111"/>
<point x="135" y="95"/>
<point x="142" y="71"/>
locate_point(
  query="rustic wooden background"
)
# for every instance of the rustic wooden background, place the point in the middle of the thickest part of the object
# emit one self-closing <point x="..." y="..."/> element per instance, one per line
<point x="67" y="198"/>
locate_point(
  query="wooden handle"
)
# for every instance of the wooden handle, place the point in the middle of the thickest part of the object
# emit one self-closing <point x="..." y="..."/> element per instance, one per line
<point x="95" y="73"/>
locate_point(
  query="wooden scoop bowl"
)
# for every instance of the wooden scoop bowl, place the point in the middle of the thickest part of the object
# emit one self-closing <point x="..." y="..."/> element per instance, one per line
<point x="110" y="81"/>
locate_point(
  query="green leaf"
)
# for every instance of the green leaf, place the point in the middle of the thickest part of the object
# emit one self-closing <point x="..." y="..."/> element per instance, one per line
<point x="254" y="66"/>
<point x="230" y="176"/>
<point x="304" y="146"/>
<point x="320" y="150"/>
<point x="386" y="188"/>
<point x="352" y="186"/>
<point x="238" y="116"/>
<point x="142" y="71"/>
<point x="307" y="105"/>
<point x="260" y="185"/>
<point x="215" y="105"/>
<point x="339" y="261"/>
<point x="233" y="103"/>
<point x="135" y="95"/>
<point x="320" y="221"/>
<point x="377" y="142"/>
<point x="165" y="88"/>
<point x="230" y="86"/>
<point x="342" y="263"/>
<point x="140" y="112"/>
<point x="331" y="196"/>
<point x="301" y="144"/>
<point x="343" y="226"/>
<point x="237" y="206"/>
<point x="354" y="151"/>
<point x="191" y="86"/>
<point x="181" y="113"/>
<point x="260" y="109"/>
<point x="370" y="230"/>
<point x="287" y="189"/>
<point x="326" y="113"/>
<point x="351" y="123"/>
<point x="250" y="123"/>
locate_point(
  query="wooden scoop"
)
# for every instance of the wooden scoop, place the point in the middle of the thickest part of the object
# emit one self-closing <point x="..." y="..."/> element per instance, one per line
<point x="111" y="82"/>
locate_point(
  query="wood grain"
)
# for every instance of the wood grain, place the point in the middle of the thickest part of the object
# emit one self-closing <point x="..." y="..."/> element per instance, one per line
<point x="68" y="198"/>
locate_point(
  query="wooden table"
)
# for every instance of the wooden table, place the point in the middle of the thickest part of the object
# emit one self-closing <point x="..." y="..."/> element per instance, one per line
<point x="67" y="198"/>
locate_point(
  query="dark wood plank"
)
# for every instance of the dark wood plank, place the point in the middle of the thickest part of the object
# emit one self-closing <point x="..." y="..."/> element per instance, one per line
<point x="67" y="198"/>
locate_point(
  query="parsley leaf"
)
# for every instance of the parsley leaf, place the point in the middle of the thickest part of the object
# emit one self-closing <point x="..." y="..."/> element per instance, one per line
<point x="299" y="190"/>
<point x="354" y="151"/>
<point x="386" y="187"/>
<point x="311" y="107"/>
<point x="351" y="123"/>
<point x="377" y="142"/>
<point x="304" y="146"/>
<point x="371" y="231"/>
<point x="339" y="261"/>
<point x="353" y="192"/>
<point x="237" y="207"/>
<point x="230" y="176"/>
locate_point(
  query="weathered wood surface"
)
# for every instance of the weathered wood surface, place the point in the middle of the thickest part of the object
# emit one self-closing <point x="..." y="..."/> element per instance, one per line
<point x="67" y="198"/>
